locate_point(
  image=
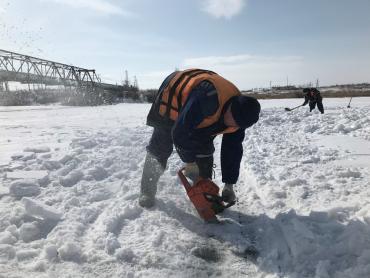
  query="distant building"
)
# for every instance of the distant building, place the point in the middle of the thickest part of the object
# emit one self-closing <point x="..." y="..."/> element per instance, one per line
<point x="284" y="88"/>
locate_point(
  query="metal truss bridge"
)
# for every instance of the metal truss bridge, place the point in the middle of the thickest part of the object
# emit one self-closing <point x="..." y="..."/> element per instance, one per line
<point x="31" y="70"/>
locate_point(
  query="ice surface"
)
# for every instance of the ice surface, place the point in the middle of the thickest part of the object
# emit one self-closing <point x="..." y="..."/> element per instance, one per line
<point x="303" y="196"/>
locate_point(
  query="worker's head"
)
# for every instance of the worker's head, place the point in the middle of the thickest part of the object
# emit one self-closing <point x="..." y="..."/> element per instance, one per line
<point x="242" y="112"/>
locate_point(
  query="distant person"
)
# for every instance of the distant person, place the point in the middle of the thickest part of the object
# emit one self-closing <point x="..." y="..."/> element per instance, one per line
<point x="191" y="108"/>
<point x="313" y="97"/>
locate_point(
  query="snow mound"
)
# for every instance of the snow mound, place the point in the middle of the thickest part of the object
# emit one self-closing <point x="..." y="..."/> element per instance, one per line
<point x="51" y="252"/>
<point x="29" y="232"/>
<point x="125" y="255"/>
<point x="114" y="222"/>
<point x="7" y="237"/>
<point x="295" y="182"/>
<point x="70" y="252"/>
<point x="111" y="243"/>
<point x="348" y="173"/>
<point x="28" y="175"/>
<point x="24" y="188"/>
<point x="51" y="165"/>
<point x="71" y="179"/>
<point x="7" y="252"/>
<point x="99" y="195"/>
<point x="24" y="156"/>
<point x="65" y="159"/>
<point x="85" y="143"/>
<point x="37" y="209"/>
<point x="98" y="173"/>
<point x="3" y="191"/>
<point x="37" y="149"/>
<point x="27" y="254"/>
<point x="302" y="244"/>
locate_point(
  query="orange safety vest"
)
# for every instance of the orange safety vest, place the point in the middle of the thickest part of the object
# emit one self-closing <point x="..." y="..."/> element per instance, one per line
<point x="174" y="96"/>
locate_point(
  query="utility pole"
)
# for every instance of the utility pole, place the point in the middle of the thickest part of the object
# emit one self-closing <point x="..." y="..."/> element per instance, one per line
<point x="126" y="78"/>
<point x="136" y="85"/>
<point x="317" y="83"/>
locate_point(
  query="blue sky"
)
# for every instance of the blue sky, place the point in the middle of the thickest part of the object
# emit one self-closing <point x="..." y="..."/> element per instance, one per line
<point x="250" y="42"/>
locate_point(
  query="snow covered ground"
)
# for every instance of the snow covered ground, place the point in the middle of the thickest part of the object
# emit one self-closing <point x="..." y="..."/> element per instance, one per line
<point x="69" y="183"/>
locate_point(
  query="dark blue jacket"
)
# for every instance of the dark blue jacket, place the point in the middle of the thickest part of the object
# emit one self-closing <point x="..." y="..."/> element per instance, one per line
<point x="311" y="95"/>
<point x="192" y="143"/>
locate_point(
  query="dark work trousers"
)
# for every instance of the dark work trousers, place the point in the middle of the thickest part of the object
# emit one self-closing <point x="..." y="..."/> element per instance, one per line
<point x="312" y="105"/>
<point x="158" y="151"/>
<point x="161" y="145"/>
<point x="319" y="106"/>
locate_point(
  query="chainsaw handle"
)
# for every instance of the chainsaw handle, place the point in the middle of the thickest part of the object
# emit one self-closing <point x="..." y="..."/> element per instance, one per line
<point x="218" y="201"/>
<point x="183" y="179"/>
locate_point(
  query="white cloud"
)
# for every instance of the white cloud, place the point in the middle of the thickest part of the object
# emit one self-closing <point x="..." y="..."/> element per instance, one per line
<point x="239" y="60"/>
<point x="245" y="71"/>
<point x="101" y="6"/>
<point x="2" y="10"/>
<point x="223" y="8"/>
<point x="217" y="60"/>
<point x="249" y="71"/>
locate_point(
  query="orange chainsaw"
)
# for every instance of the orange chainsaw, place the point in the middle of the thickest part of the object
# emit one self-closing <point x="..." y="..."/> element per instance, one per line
<point x="204" y="194"/>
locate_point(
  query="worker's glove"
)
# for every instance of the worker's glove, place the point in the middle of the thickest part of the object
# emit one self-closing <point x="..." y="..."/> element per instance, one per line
<point x="228" y="194"/>
<point x="205" y="165"/>
<point x="191" y="171"/>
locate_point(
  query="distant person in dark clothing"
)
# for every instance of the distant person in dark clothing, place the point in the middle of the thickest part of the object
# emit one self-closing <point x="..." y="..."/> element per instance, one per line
<point x="312" y="97"/>
<point x="191" y="108"/>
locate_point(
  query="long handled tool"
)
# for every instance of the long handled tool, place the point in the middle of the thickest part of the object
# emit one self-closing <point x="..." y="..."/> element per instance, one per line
<point x="349" y="104"/>
<point x="204" y="195"/>
<point x="290" y="109"/>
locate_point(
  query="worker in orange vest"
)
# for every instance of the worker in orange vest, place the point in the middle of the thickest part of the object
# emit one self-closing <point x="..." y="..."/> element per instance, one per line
<point x="190" y="109"/>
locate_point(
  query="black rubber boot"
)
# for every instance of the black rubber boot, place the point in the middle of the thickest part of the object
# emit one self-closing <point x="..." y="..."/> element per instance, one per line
<point x="151" y="174"/>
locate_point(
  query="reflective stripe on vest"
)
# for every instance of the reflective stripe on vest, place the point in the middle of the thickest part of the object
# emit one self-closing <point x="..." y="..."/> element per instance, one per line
<point x="176" y="93"/>
<point x="168" y="102"/>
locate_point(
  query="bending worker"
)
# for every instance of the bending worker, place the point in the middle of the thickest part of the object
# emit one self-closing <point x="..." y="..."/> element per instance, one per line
<point x="312" y="96"/>
<point x="191" y="108"/>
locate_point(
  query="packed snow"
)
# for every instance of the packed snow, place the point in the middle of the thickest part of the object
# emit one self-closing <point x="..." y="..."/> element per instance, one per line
<point x="69" y="184"/>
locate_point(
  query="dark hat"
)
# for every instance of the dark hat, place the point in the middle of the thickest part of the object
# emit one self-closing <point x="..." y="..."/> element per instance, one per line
<point x="245" y="110"/>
